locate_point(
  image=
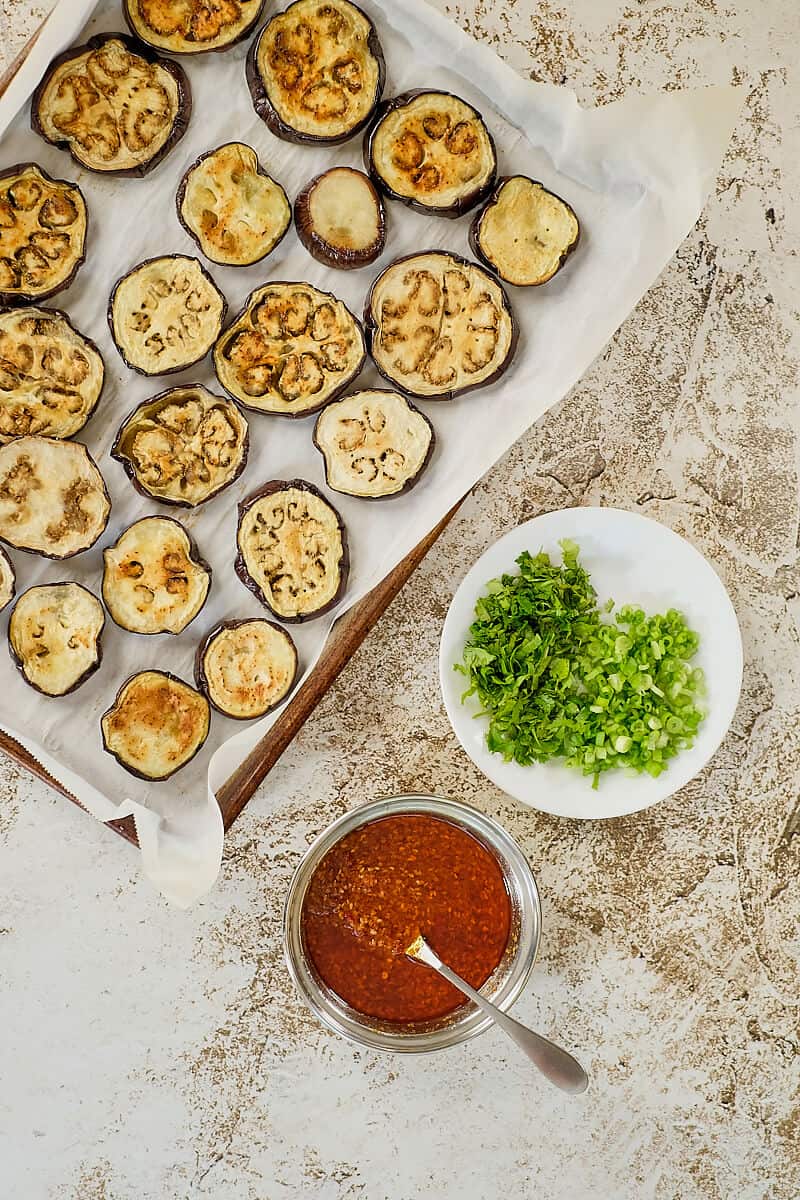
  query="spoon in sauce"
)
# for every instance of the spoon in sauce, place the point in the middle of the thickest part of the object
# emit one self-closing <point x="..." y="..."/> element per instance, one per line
<point x="555" y="1064"/>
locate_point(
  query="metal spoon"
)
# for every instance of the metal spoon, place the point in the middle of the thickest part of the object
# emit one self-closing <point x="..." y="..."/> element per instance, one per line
<point x="554" y="1063"/>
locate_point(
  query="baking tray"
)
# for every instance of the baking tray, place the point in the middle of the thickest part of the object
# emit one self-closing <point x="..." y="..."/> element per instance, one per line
<point x="346" y="636"/>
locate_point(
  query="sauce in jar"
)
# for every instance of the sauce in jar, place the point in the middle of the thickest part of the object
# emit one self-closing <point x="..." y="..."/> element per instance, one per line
<point x="387" y="882"/>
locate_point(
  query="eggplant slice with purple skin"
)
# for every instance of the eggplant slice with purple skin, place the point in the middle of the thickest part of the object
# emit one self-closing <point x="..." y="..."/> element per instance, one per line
<point x="233" y="209"/>
<point x="8" y="580"/>
<point x="524" y="234"/>
<point x="192" y="26"/>
<point x="438" y="325"/>
<point x="183" y="446"/>
<point x="113" y="104"/>
<point x="156" y="725"/>
<point x="154" y="581"/>
<point x="340" y="219"/>
<point x="43" y="224"/>
<point x="165" y="314"/>
<point x="54" y="636"/>
<point x="375" y="444"/>
<point x="53" y="499"/>
<point x="51" y="376"/>
<point x="432" y="151"/>
<point x="316" y="72"/>
<point x="291" y="350"/>
<point x="292" y="549"/>
<point x="246" y="668"/>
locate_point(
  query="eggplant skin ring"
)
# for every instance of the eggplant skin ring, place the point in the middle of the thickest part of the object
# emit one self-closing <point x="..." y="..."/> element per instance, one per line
<point x="113" y="104"/>
<point x="43" y="226"/>
<point x="192" y="26"/>
<point x="156" y="725"/>
<point x="438" y="325"/>
<point x="292" y="549"/>
<point x="316" y="72"/>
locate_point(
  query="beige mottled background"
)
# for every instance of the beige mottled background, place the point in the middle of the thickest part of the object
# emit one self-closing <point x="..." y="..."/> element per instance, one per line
<point x="149" y="1055"/>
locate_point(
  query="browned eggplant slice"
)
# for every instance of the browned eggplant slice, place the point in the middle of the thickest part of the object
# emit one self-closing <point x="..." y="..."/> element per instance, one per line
<point x="524" y="233"/>
<point x="154" y="581"/>
<point x="340" y="219"/>
<point x="233" y="209"/>
<point x="113" y="104"/>
<point x="375" y="444"/>
<point x="316" y="71"/>
<point x="192" y="26"/>
<point x="156" y="725"/>
<point x="183" y="446"/>
<point x="165" y="314"/>
<point x="291" y="350"/>
<point x="431" y="151"/>
<point x="51" y="376"/>
<point x="8" y="580"/>
<point x="292" y="549"/>
<point x="53" y="500"/>
<point x="42" y="234"/>
<point x="438" y="325"/>
<point x="246" y="668"/>
<point x="54" y="636"/>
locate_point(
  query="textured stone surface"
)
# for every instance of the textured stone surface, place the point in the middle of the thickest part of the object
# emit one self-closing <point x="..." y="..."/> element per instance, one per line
<point x="148" y="1054"/>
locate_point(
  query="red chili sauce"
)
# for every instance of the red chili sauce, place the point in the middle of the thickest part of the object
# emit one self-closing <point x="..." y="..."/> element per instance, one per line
<point x="387" y="882"/>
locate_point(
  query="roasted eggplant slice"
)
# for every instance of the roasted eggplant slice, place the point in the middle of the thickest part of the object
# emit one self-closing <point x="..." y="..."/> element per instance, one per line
<point x="113" y="104"/>
<point x="156" y="725"/>
<point x="292" y="549"/>
<point x="524" y="233"/>
<point x="233" y="209"/>
<point x="54" y="636"/>
<point x="192" y="26"/>
<point x="246" y="668"/>
<point x="340" y="219"/>
<point x="53" y="500"/>
<point x="8" y="580"/>
<point x="183" y="446"/>
<point x="431" y="151"/>
<point x="154" y="581"/>
<point x="375" y="444"/>
<point x="51" y="376"/>
<point x="291" y="349"/>
<point x="165" y="314"/>
<point x="316" y="71"/>
<point x="438" y="325"/>
<point x="42" y="234"/>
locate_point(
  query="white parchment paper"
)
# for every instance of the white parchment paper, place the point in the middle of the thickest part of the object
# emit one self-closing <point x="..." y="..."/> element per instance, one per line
<point x="637" y="173"/>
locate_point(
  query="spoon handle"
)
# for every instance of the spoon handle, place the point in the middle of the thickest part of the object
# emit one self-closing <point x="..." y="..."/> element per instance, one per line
<point x="555" y="1064"/>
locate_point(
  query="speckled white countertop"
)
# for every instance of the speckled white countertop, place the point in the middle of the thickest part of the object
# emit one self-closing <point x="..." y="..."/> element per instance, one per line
<point x="148" y="1054"/>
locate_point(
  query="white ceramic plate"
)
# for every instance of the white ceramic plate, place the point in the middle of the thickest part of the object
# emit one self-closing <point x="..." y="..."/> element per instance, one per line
<point x="631" y="560"/>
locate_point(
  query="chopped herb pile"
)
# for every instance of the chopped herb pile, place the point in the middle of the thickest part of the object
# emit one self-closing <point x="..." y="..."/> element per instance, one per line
<point x="560" y="678"/>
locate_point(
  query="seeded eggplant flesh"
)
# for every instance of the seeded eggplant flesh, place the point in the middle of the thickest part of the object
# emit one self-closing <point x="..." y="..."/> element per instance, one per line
<point x="54" y="636"/>
<point x="153" y="579"/>
<point x="51" y="376"/>
<point x="42" y="234"/>
<point x="156" y="725"/>
<point x="375" y="444"/>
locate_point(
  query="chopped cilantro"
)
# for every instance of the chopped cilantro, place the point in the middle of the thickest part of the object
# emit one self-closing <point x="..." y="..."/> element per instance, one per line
<point x="559" y="677"/>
